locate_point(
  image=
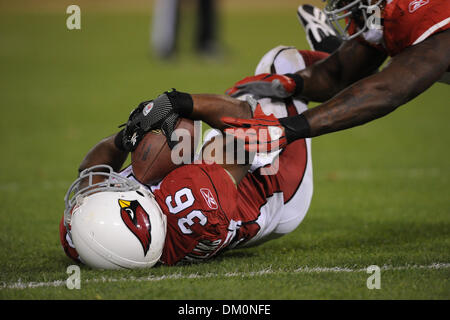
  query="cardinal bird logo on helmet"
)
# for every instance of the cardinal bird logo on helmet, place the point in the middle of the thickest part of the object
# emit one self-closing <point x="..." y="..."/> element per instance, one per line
<point x="138" y="221"/>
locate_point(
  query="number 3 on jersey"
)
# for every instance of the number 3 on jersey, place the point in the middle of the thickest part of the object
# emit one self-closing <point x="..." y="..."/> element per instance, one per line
<point x="182" y="200"/>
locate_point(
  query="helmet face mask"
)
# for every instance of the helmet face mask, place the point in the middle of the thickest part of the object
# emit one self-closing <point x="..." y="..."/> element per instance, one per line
<point x="349" y="11"/>
<point x="114" y="222"/>
<point x="92" y="180"/>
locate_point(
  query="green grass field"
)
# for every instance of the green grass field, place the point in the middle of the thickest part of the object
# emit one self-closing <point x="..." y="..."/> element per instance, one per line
<point x="381" y="192"/>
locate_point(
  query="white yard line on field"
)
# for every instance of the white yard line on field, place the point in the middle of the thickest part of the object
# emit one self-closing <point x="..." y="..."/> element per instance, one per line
<point x="59" y="283"/>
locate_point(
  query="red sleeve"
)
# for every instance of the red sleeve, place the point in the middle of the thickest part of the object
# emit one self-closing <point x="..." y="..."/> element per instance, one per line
<point x="199" y="202"/>
<point x="408" y="22"/>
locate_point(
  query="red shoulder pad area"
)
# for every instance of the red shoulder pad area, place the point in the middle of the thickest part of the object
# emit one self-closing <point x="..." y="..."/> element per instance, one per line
<point x="408" y="22"/>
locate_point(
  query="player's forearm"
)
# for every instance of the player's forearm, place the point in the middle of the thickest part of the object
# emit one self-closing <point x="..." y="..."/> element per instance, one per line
<point x="357" y="105"/>
<point x="409" y="74"/>
<point x="351" y="62"/>
<point x="104" y="152"/>
<point x="211" y="108"/>
<point x="320" y="83"/>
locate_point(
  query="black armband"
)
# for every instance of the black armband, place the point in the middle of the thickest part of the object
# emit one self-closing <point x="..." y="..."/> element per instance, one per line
<point x="296" y="127"/>
<point x="298" y="82"/>
<point x="118" y="140"/>
<point x="182" y="103"/>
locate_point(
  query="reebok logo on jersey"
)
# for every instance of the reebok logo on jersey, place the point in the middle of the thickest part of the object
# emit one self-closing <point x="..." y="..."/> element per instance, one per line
<point x="416" y="4"/>
<point x="209" y="198"/>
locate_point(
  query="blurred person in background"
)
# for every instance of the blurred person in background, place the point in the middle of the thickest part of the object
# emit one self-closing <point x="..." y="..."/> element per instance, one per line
<point x="165" y="27"/>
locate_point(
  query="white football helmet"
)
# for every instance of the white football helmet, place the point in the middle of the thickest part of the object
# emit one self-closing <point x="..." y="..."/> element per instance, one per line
<point x="350" y="10"/>
<point x="114" y="222"/>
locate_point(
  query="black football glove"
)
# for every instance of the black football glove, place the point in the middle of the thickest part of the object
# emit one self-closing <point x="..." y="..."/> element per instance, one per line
<point x="160" y="113"/>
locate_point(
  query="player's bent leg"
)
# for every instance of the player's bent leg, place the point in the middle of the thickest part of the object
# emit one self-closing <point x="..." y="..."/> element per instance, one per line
<point x="294" y="211"/>
<point x="274" y="204"/>
<point x="281" y="60"/>
<point x="287" y="59"/>
<point x="289" y="193"/>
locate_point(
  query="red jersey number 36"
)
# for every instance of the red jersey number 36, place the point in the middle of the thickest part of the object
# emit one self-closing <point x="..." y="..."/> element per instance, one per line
<point x="182" y="200"/>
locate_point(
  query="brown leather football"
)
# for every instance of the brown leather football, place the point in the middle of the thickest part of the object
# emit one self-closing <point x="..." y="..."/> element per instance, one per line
<point x="153" y="159"/>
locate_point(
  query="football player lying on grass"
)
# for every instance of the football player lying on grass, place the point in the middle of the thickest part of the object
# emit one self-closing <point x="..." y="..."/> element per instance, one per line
<point x="198" y="210"/>
<point x="415" y="34"/>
